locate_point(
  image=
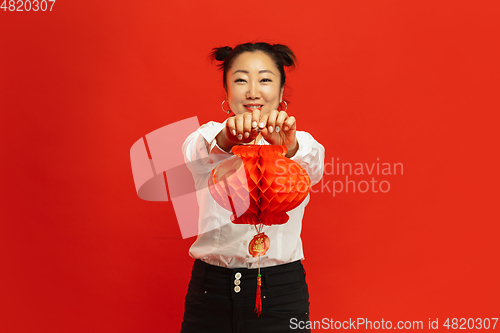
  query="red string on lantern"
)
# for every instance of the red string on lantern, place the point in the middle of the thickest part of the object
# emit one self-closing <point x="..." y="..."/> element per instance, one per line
<point x="259" y="185"/>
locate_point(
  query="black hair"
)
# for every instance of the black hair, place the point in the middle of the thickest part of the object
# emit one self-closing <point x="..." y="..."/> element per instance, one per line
<point x="280" y="54"/>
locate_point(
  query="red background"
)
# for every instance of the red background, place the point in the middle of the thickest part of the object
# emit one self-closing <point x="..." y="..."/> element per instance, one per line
<point x="406" y="82"/>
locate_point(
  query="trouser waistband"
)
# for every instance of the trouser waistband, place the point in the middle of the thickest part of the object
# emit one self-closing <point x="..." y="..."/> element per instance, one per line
<point x="226" y="280"/>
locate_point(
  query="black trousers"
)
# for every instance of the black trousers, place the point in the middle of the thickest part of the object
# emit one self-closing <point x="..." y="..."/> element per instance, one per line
<point x="222" y="300"/>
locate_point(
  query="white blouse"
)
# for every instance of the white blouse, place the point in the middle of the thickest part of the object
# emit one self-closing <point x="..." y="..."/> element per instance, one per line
<point x="219" y="241"/>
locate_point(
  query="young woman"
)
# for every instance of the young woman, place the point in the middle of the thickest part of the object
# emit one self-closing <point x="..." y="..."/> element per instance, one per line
<point x="222" y="291"/>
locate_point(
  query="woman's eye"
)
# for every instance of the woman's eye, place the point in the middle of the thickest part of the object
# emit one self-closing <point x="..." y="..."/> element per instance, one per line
<point x="266" y="80"/>
<point x="239" y="80"/>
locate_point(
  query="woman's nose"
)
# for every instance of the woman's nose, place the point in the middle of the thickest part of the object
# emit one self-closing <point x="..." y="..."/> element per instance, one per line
<point x="253" y="91"/>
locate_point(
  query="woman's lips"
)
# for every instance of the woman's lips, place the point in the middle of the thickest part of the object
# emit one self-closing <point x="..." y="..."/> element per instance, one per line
<point x="253" y="108"/>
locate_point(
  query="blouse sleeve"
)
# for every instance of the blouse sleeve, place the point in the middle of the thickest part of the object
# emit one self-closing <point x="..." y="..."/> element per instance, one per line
<point x="310" y="155"/>
<point x="201" y="152"/>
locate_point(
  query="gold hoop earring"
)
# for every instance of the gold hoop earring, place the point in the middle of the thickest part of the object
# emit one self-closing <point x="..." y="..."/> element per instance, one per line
<point x="280" y="106"/>
<point x="222" y="106"/>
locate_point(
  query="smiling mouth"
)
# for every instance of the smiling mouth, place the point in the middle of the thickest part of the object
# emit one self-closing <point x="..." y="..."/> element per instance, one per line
<point x="253" y="107"/>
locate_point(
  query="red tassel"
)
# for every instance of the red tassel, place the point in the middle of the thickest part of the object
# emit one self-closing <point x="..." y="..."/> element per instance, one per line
<point x="258" y="301"/>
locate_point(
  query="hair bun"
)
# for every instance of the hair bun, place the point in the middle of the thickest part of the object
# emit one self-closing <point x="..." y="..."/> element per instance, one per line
<point x="221" y="53"/>
<point x="286" y="54"/>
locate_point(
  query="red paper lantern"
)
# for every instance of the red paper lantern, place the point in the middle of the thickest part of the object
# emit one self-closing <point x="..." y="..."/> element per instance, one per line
<point x="259" y="184"/>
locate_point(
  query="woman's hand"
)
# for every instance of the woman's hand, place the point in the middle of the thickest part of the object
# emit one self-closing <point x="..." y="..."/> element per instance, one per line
<point x="276" y="127"/>
<point x="279" y="129"/>
<point x="241" y="128"/>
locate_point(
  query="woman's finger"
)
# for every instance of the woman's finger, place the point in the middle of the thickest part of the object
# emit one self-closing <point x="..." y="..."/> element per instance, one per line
<point x="247" y="125"/>
<point x="263" y="121"/>
<point x="290" y="123"/>
<point x="255" y="119"/>
<point x="239" y="126"/>
<point x="282" y="117"/>
<point x="231" y="126"/>
<point x="271" y="120"/>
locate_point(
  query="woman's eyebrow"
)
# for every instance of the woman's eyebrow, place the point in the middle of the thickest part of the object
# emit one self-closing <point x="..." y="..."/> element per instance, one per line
<point x="260" y="72"/>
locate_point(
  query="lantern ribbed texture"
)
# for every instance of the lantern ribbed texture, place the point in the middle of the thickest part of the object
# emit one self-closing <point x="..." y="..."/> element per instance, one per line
<point x="259" y="184"/>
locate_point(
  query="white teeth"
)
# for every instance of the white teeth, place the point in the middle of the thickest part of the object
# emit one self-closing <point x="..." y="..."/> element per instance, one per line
<point x="254" y="106"/>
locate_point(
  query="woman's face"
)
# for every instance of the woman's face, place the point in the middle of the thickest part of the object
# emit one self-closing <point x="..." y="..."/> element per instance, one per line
<point x="253" y="82"/>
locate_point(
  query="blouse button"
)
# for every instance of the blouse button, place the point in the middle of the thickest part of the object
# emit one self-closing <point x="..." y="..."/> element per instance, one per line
<point x="237" y="282"/>
<point x="237" y="289"/>
<point x="237" y="275"/>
